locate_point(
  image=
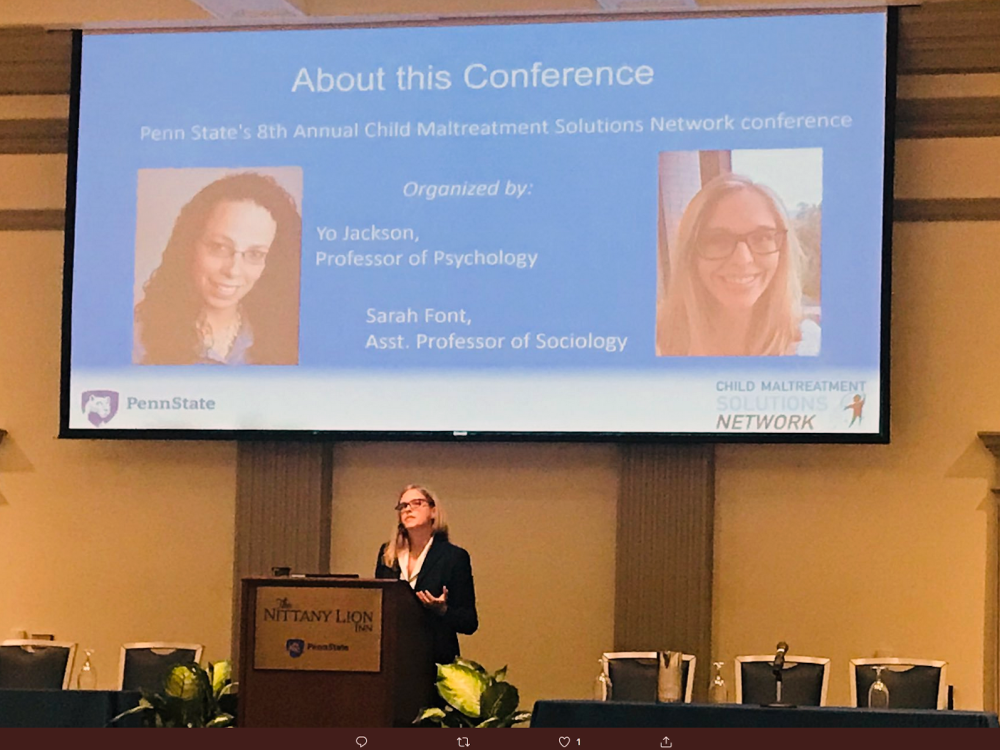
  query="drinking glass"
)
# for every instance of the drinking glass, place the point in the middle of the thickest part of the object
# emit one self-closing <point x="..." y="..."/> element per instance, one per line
<point x="717" y="691"/>
<point x="878" y="693"/>
<point x="602" y="685"/>
<point x="87" y="679"/>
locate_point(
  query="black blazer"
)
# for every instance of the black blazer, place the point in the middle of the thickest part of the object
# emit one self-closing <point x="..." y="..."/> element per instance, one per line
<point x="445" y="565"/>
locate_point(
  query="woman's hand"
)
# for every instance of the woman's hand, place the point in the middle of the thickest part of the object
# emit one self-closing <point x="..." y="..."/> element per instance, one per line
<point x="437" y="604"/>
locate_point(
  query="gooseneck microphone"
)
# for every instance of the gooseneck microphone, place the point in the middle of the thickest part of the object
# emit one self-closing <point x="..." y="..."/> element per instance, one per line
<point x="776" y="667"/>
<point x="779" y="657"/>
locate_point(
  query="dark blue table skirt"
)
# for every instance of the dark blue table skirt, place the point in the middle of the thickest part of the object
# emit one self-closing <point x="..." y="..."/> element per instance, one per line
<point x="63" y="708"/>
<point x="593" y="714"/>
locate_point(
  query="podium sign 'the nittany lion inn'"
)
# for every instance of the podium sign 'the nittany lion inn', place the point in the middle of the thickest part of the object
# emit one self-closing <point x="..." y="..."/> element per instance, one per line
<point x="322" y="629"/>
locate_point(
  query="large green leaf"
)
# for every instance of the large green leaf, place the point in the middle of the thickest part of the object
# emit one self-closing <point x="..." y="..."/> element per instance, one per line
<point x="473" y="698"/>
<point x="499" y="701"/>
<point x="430" y="714"/>
<point x="145" y="708"/>
<point x="516" y="718"/>
<point x="222" y="676"/>
<point x="182" y="682"/>
<point x="221" y="721"/>
<point x="187" y="691"/>
<point x="462" y="686"/>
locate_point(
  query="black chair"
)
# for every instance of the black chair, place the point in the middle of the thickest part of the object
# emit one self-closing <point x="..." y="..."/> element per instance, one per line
<point x="804" y="680"/>
<point x="633" y="675"/>
<point x="912" y="683"/>
<point x="144" y="666"/>
<point x="36" y="665"/>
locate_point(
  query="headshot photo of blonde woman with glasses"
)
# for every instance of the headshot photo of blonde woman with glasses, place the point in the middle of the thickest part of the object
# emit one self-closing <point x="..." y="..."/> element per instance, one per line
<point x="218" y="262"/>
<point x="738" y="273"/>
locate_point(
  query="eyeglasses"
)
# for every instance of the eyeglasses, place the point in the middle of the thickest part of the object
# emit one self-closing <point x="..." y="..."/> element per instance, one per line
<point x="719" y="244"/>
<point x="415" y="503"/>
<point x="252" y="257"/>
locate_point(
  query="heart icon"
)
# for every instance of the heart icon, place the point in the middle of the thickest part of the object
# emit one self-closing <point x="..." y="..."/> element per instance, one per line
<point x="362" y="741"/>
<point x="563" y="741"/>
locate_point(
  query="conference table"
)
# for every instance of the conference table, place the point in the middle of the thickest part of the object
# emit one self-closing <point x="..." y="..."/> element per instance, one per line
<point x="95" y="708"/>
<point x="595" y="714"/>
<point x="65" y="708"/>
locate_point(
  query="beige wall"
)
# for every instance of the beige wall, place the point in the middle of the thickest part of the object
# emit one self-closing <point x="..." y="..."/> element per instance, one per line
<point x="539" y="524"/>
<point x="101" y="543"/>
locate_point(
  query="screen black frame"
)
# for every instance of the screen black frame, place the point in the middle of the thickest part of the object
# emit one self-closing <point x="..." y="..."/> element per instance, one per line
<point x="880" y="437"/>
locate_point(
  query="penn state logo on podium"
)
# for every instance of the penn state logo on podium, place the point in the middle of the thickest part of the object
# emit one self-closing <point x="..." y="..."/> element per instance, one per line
<point x="323" y="628"/>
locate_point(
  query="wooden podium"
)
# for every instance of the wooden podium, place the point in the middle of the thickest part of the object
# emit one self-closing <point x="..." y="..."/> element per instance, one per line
<point x="333" y="652"/>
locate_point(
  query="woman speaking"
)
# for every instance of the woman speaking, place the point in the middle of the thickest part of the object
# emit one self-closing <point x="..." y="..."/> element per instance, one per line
<point x="440" y="573"/>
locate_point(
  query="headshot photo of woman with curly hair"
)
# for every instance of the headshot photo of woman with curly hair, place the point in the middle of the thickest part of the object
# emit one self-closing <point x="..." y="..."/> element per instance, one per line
<point x="732" y="276"/>
<point x="226" y="290"/>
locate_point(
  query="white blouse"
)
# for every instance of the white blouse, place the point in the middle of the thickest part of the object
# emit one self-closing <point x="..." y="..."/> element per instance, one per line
<point x="404" y="564"/>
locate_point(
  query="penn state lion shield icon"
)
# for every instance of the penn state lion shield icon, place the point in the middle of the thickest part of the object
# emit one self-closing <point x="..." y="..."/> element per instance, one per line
<point x="99" y="407"/>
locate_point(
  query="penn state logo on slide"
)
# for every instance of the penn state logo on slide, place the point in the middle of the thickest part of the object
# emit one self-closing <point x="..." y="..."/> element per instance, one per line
<point x="295" y="647"/>
<point x="100" y="407"/>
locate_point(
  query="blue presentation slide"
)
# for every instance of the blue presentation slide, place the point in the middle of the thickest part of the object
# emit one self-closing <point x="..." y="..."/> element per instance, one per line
<point x="634" y="227"/>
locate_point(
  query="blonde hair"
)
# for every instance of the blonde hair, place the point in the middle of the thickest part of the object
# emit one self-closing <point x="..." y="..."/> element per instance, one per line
<point x="686" y="320"/>
<point x="399" y="540"/>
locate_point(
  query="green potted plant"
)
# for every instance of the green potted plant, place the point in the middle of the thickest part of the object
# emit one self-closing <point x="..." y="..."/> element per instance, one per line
<point x="190" y="698"/>
<point x="473" y="698"/>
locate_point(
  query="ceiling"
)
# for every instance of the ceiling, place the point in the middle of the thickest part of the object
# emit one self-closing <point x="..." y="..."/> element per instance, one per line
<point x="140" y="13"/>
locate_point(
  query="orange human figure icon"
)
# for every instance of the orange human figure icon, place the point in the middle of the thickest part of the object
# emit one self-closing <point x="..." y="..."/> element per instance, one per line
<point x="856" y="406"/>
